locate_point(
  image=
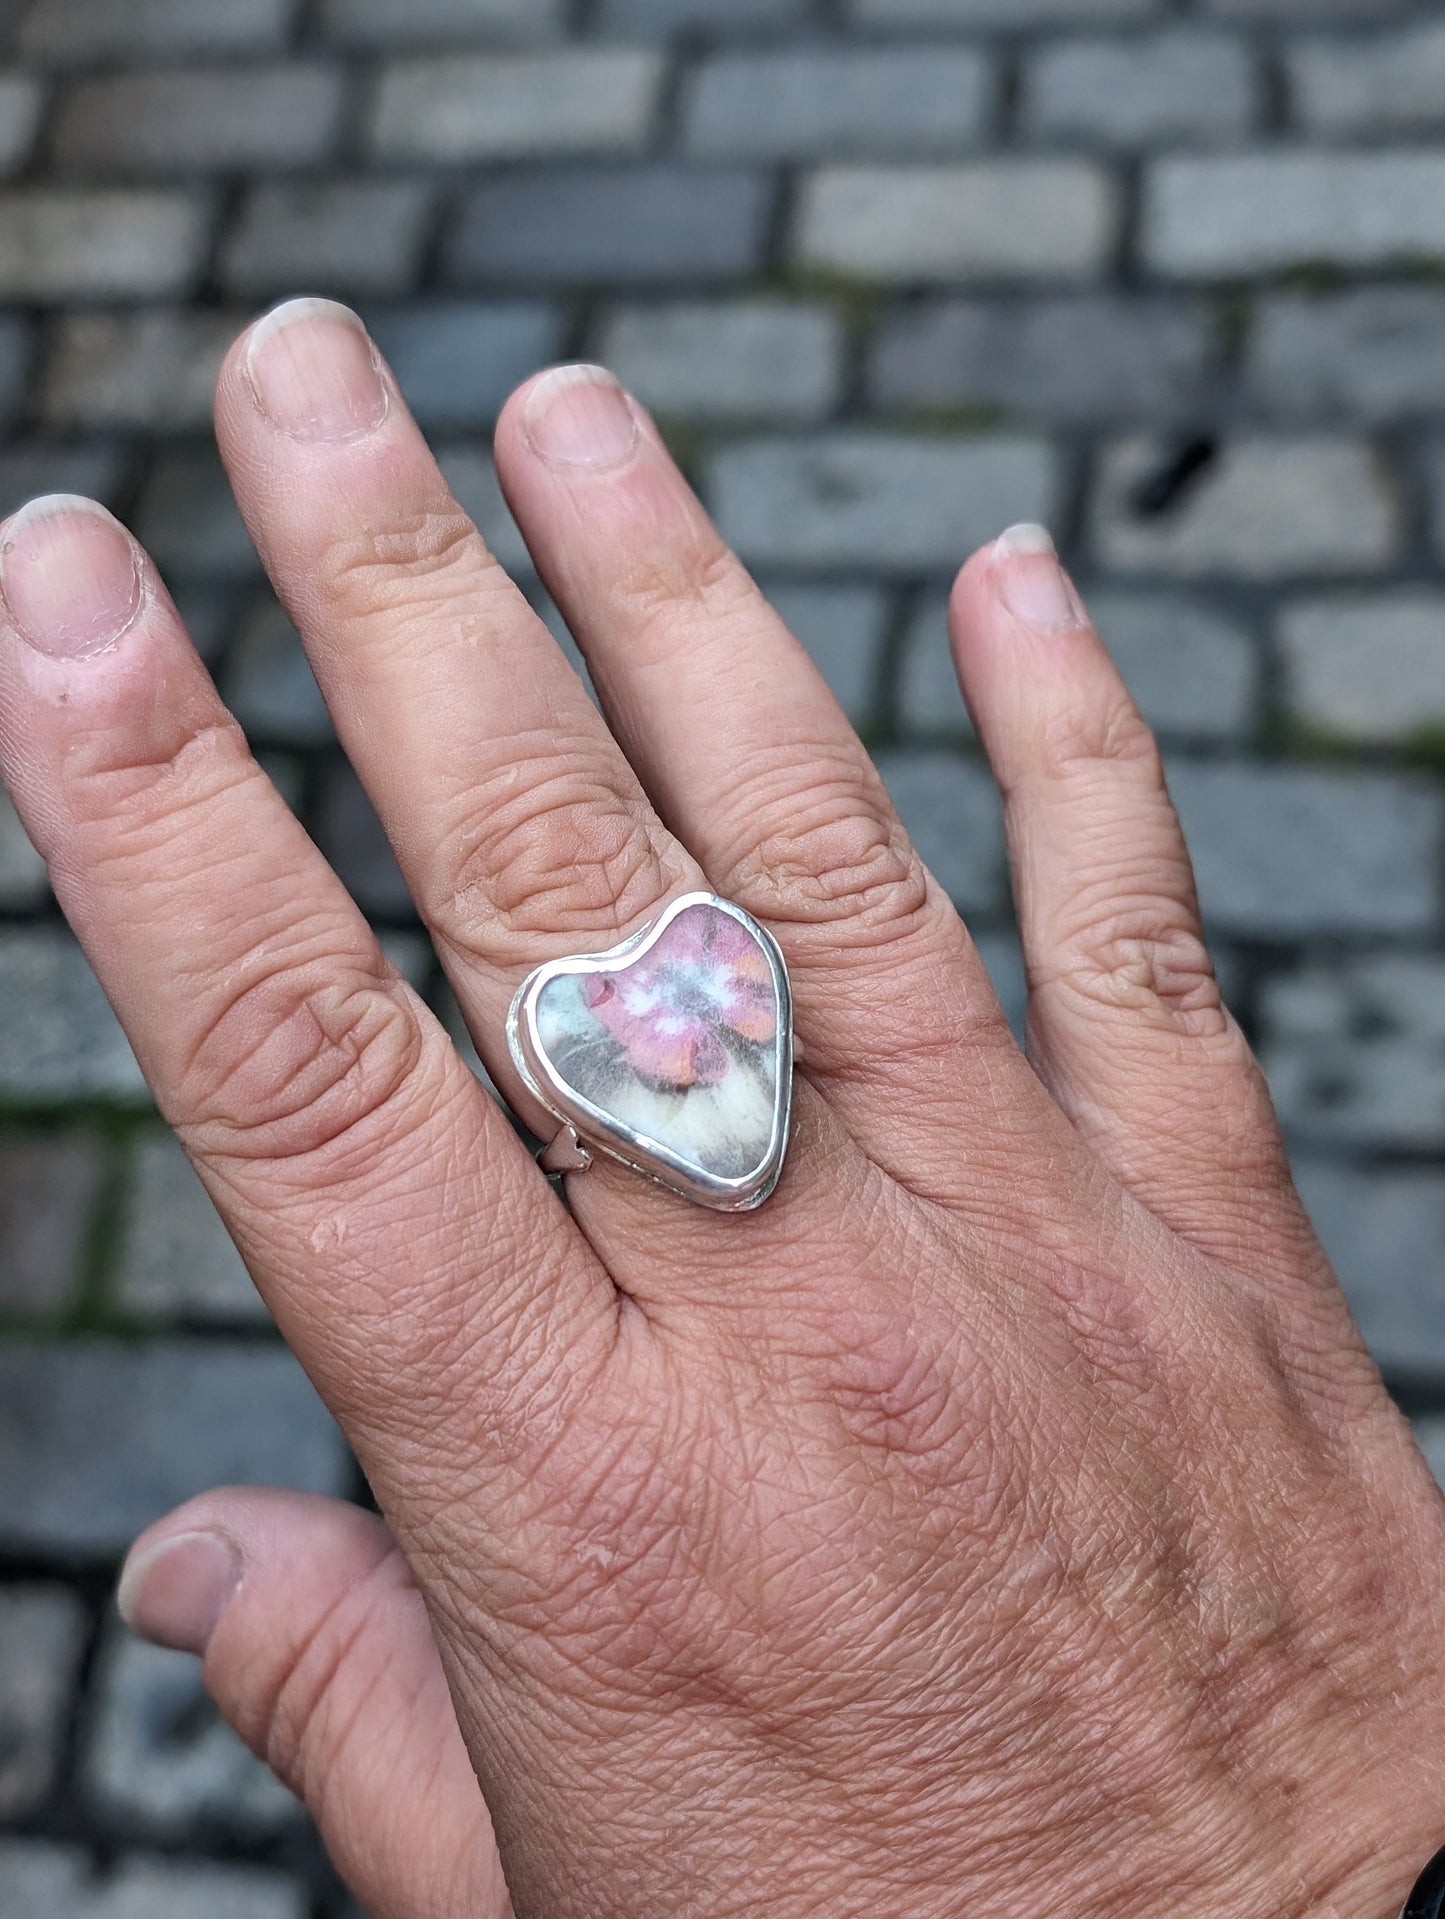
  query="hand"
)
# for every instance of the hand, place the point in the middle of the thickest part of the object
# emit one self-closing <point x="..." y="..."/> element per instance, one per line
<point x="1006" y="1517"/>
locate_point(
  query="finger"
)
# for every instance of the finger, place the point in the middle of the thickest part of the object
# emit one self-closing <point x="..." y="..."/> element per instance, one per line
<point x="318" y="1651"/>
<point x="520" y="827"/>
<point x="750" y="759"/>
<point x="1126" y="1022"/>
<point x="390" y="1218"/>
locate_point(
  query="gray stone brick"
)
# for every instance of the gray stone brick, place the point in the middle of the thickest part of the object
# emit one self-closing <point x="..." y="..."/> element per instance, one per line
<point x="1265" y="509"/>
<point x="187" y="520"/>
<point x="1194" y="673"/>
<point x="826" y="101"/>
<point x="71" y="243"/>
<point x="999" y="219"/>
<point x="88" y="30"/>
<point x="611" y="226"/>
<point x="161" y="1761"/>
<point x="1229" y="215"/>
<point x="268" y="684"/>
<point x="1385" y="1233"/>
<point x="1307" y="11"/>
<point x="154" y="370"/>
<point x="177" y="1261"/>
<point x="491" y="107"/>
<point x="22" y="871"/>
<point x="952" y="810"/>
<point x="739" y="359"/>
<point x="16" y="354"/>
<point x="32" y="467"/>
<point x="369" y="23"/>
<point x="1182" y="85"/>
<point x="876" y="502"/>
<point x="59" y="1039"/>
<point x="42" y="1633"/>
<point x="713" y="16"/>
<point x="457" y="361"/>
<point x="21" y="101"/>
<point x="1373" y="353"/>
<point x="998" y="13"/>
<point x="1079" y="357"/>
<point x="1003" y="957"/>
<point x="1355" y="1051"/>
<point x="1388" y="84"/>
<point x="38" y="1879"/>
<point x="48" y="1188"/>
<point x="842" y="628"/>
<point x="261" y="118"/>
<point x="1286" y="853"/>
<point x="1367" y="668"/>
<point x="1431" y="1435"/>
<point x="351" y="837"/>
<point x="99" y="1440"/>
<point x="353" y="237"/>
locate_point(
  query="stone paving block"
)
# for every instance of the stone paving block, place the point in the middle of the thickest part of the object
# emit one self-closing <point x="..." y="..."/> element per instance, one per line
<point x="368" y="23"/>
<point x="878" y="503"/>
<point x="843" y="629"/>
<point x="351" y="836"/>
<point x="99" y="1439"/>
<point x="268" y="684"/>
<point x="1263" y="509"/>
<point x="352" y="237"/>
<point x="1023" y="219"/>
<point x="1287" y="853"/>
<point x="48" y="1188"/>
<point x="824" y="101"/>
<point x="1003" y="957"/>
<point x="154" y="370"/>
<point x="1431" y="1435"/>
<point x="59" y="1039"/>
<point x="82" y="243"/>
<point x="186" y="518"/>
<point x="496" y="107"/>
<point x="22" y="100"/>
<point x="160" y="1760"/>
<point x="458" y="360"/>
<point x="1367" y="667"/>
<point x="93" y="30"/>
<point x="16" y="355"/>
<point x="38" y="1879"/>
<point x="611" y="226"/>
<point x="1194" y="672"/>
<point x="1355" y="1051"/>
<point x="29" y="468"/>
<point x="1371" y="353"/>
<point x="1229" y="215"/>
<point x="1078" y="357"/>
<point x="1385" y="1232"/>
<point x="22" y="871"/>
<point x="42" y="1635"/>
<point x="263" y="119"/>
<point x="176" y="1259"/>
<point x="998" y="13"/>
<point x="1180" y="86"/>
<point x="713" y="16"/>
<point x="953" y="814"/>
<point x="727" y="360"/>
<point x="1362" y="88"/>
<point x="1306" y="12"/>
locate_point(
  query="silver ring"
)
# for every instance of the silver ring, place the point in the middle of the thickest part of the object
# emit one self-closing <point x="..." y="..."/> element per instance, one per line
<point x="672" y="1053"/>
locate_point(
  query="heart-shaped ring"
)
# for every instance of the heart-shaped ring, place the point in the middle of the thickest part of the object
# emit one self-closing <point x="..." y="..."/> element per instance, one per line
<point x="672" y="1053"/>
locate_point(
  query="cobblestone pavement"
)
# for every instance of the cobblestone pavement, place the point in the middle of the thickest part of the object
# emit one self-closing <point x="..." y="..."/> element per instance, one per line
<point x="893" y="273"/>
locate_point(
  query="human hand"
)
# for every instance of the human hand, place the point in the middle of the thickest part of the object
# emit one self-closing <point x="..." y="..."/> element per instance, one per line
<point x="1007" y="1513"/>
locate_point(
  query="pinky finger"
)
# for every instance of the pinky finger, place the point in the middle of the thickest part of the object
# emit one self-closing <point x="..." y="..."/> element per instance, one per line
<point x="319" y="1653"/>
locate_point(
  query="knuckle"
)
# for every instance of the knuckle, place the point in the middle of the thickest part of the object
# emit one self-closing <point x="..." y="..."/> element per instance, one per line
<point x="671" y="588"/>
<point x="547" y="847"/>
<point x="1145" y="956"/>
<point x="1078" y="740"/>
<point x="299" y="1064"/>
<point x="413" y="566"/>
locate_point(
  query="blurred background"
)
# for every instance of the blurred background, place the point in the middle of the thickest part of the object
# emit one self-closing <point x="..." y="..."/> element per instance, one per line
<point x="892" y="273"/>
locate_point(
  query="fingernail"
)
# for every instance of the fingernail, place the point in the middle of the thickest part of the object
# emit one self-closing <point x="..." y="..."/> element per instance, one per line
<point x="315" y="372"/>
<point x="174" y="1593"/>
<point x="71" y="576"/>
<point x="580" y="416"/>
<point x="1035" y="588"/>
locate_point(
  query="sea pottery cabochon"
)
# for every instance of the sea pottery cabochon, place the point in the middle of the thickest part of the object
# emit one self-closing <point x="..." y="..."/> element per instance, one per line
<point x="673" y="1052"/>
